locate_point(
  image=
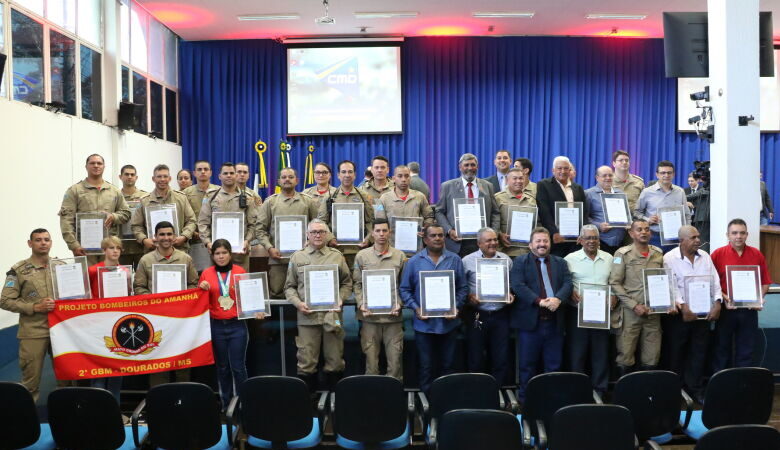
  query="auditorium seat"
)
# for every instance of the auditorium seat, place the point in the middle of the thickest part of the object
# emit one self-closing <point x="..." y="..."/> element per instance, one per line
<point x="654" y="399"/>
<point x="592" y="427"/>
<point x="740" y="437"/>
<point x="469" y="429"/>
<point x="19" y="425"/>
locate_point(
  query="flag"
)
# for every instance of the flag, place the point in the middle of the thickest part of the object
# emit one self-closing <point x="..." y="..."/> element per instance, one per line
<point x="130" y="335"/>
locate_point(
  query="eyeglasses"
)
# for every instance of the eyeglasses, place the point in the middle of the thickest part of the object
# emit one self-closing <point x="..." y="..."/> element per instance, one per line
<point x="321" y="172"/>
<point x="317" y="232"/>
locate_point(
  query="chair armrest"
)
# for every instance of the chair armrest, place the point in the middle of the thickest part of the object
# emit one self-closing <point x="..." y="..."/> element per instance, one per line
<point x="426" y="410"/>
<point x="410" y="409"/>
<point x="542" y="434"/>
<point x="688" y="408"/>
<point x="514" y="405"/>
<point x="652" y="445"/>
<point x="433" y="435"/>
<point x="231" y="417"/>
<point x="322" y="408"/>
<point x="597" y="398"/>
<point x="134" y="421"/>
<point x="501" y="401"/>
<point x="526" y="434"/>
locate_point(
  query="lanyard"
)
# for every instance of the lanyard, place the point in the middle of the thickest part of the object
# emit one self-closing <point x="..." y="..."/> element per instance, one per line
<point x="224" y="285"/>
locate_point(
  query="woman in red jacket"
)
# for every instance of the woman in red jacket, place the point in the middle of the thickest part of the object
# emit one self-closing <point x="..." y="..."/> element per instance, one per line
<point x="229" y="336"/>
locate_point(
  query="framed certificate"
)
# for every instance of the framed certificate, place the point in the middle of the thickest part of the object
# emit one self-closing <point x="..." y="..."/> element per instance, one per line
<point x="437" y="293"/>
<point x="126" y="230"/>
<point x="698" y="294"/>
<point x="161" y="213"/>
<point x="169" y="278"/>
<point x="322" y="287"/>
<point x="469" y="216"/>
<point x="568" y="219"/>
<point x="404" y="234"/>
<point x="593" y="308"/>
<point x="520" y="222"/>
<point x="380" y="294"/>
<point x="616" y="211"/>
<point x="672" y="218"/>
<point x="744" y="286"/>
<point x="91" y="230"/>
<point x="70" y="278"/>
<point x="229" y="226"/>
<point x="658" y="290"/>
<point x="200" y="256"/>
<point x="493" y="280"/>
<point x="251" y="294"/>
<point x="115" y="281"/>
<point x="289" y="234"/>
<point x="348" y="224"/>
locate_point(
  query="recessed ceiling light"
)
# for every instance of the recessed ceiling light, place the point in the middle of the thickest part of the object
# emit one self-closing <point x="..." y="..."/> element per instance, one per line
<point x="385" y="14"/>
<point x="283" y="16"/>
<point x="504" y="14"/>
<point x="617" y="16"/>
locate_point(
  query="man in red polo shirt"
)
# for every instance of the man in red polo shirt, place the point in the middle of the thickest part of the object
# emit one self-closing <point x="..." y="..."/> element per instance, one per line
<point x="741" y="323"/>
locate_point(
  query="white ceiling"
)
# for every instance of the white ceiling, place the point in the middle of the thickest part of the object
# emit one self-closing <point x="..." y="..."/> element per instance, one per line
<point x="216" y="19"/>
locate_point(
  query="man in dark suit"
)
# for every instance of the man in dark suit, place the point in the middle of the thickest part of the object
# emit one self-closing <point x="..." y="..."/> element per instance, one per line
<point x="559" y="188"/>
<point x="417" y="183"/>
<point x="541" y="282"/>
<point x="465" y="186"/>
<point x="503" y="163"/>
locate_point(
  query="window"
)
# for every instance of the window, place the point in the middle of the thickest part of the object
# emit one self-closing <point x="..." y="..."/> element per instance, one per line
<point x="3" y="91"/>
<point x="171" y="58"/>
<point x="139" y="97"/>
<point x="124" y="31"/>
<point x="35" y="6"/>
<point x="63" y="71"/>
<point x="90" y="21"/>
<point x="171" y="116"/>
<point x="62" y="13"/>
<point x="139" y="32"/>
<point x="156" y="107"/>
<point x="27" y="55"/>
<point x="125" y="84"/>
<point x="156" y="49"/>
<point x="91" y="107"/>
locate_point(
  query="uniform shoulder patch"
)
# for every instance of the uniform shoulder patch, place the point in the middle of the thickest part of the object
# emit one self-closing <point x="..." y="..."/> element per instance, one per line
<point x="617" y="259"/>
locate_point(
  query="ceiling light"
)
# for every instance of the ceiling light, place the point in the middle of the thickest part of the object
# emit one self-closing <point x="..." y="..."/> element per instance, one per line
<point x="504" y="14"/>
<point x="284" y="16"/>
<point x="617" y="16"/>
<point x="385" y="15"/>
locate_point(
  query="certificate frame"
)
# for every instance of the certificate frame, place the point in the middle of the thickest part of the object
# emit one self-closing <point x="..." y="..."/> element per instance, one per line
<point x="126" y="229"/>
<point x="567" y="205"/>
<point x="84" y="269"/>
<point x="393" y="290"/>
<point x="686" y="287"/>
<point x="126" y="269"/>
<point x="429" y="313"/>
<point x="665" y="239"/>
<point x="393" y="223"/>
<point x="730" y="288"/>
<point x="335" y="207"/>
<point x="510" y="221"/>
<point x="593" y="324"/>
<point x="458" y="225"/>
<point x="481" y="264"/>
<point x="250" y="313"/>
<point x="277" y="234"/>
<point x="236" y="247"/>
<point x="201" y="258"/>
<point x="334" y="271"/>
<point x="658" y="309"/>
<point x="148" y="217"/>
<point x="610" y="220"/>
<point x="91" y="216"/>
<point x="157" y="268"/>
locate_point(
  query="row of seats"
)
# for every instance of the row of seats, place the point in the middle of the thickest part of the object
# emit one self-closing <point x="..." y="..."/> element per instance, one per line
<point x="464" y="411"/>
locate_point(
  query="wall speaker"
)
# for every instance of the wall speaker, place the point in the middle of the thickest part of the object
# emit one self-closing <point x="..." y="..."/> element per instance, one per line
<point x="130" y="115"/>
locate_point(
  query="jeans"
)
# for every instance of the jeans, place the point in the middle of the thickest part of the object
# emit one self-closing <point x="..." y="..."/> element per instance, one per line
<point x="546" y="341"/>
<point x="111" y="384"/>
<point x="436" y="353"/>
<point x="229" y="338"/>
<point x="489" y="338"/>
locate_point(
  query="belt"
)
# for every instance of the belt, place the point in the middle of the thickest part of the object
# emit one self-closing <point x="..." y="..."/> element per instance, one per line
<point x="226" y="321"/>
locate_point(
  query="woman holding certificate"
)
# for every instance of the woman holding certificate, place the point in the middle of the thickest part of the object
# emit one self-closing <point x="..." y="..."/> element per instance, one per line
<point x="229" y="335"/>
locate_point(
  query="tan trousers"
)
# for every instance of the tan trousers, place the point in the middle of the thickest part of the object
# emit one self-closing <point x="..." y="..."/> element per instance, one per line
<point x="390" y="335"/>
<point x="242" y="259"/>
<point x="309" y="341"/>
<point x="31" y="357"/>
<point x="277" y="276"/>
<point x="648" y="329"/>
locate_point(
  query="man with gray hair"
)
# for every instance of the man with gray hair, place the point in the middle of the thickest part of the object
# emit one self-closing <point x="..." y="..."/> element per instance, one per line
<point x="611" y="237"/>
<point x="589" y="265"/>
<point x="559" y="188"/>
<point x="470" y="187"/>
<point x="417" y="183"/>
<point x="487" y="324"/>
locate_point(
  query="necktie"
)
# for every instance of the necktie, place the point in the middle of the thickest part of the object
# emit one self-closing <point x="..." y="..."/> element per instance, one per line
<point x="546" y="278"/>
<point x="471" y="192"/>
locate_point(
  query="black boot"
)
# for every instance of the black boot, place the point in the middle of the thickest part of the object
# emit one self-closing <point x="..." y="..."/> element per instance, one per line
<point x="310" y="380"/>
<point x="622" y="370"/>
<point x="333" y="379"/>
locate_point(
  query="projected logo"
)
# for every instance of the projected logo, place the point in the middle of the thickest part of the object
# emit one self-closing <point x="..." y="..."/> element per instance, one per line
<point x="342" y="76"/>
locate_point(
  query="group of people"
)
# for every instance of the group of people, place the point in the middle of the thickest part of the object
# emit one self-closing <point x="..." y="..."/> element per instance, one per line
<point x="544" y="276"/>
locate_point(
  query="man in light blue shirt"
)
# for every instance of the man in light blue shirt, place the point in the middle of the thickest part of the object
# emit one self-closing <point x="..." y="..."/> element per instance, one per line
<point x="660" y="195"/>
<point x="588" y="265"/>
<point x="611" y="238"/>
<point x="487" y="323"/>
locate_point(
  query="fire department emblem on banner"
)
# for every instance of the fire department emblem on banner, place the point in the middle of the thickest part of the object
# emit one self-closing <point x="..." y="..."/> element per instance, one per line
<point x="132" y="335"/>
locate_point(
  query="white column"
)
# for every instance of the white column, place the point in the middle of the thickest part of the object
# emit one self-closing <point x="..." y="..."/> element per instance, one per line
<point x="734" y="92"/>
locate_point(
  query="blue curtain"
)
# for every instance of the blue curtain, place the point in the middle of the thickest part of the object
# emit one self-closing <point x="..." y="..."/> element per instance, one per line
<point x="538" y="97"/>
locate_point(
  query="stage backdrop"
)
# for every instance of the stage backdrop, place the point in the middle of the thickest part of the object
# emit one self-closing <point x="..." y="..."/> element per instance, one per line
<point x="538" y="97"/>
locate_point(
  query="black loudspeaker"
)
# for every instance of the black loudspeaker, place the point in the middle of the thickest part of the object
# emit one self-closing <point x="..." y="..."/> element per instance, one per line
<point x="2" y="65"/>
<point x="129" y="115"/>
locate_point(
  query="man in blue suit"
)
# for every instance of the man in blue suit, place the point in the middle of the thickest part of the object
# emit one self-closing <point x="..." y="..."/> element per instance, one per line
<point x="541" y="283"/>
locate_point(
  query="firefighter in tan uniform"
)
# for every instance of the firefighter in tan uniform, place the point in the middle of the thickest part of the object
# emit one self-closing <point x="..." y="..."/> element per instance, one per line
<point x="322" y="189"/>
<point x="627" y="284"/>
<point x="132" y="251"/>
<point x="229" y="198"/>
<point x="348" y="193"/>
<point x="28" y="290"/>
<point x="197" y="192"/>
<point x="92" y="194"/>
<point x="631" y="184"/>
<point x="164" y="195"/>
<point x="517" y="193"/>
<point x="404" y="202"/>
<point x="322" y="329"/>
<point x="379" y="184"/>
<point x="380" y="331"/>
<point x="242" y="177"/>
<point x="286" y="203"/>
